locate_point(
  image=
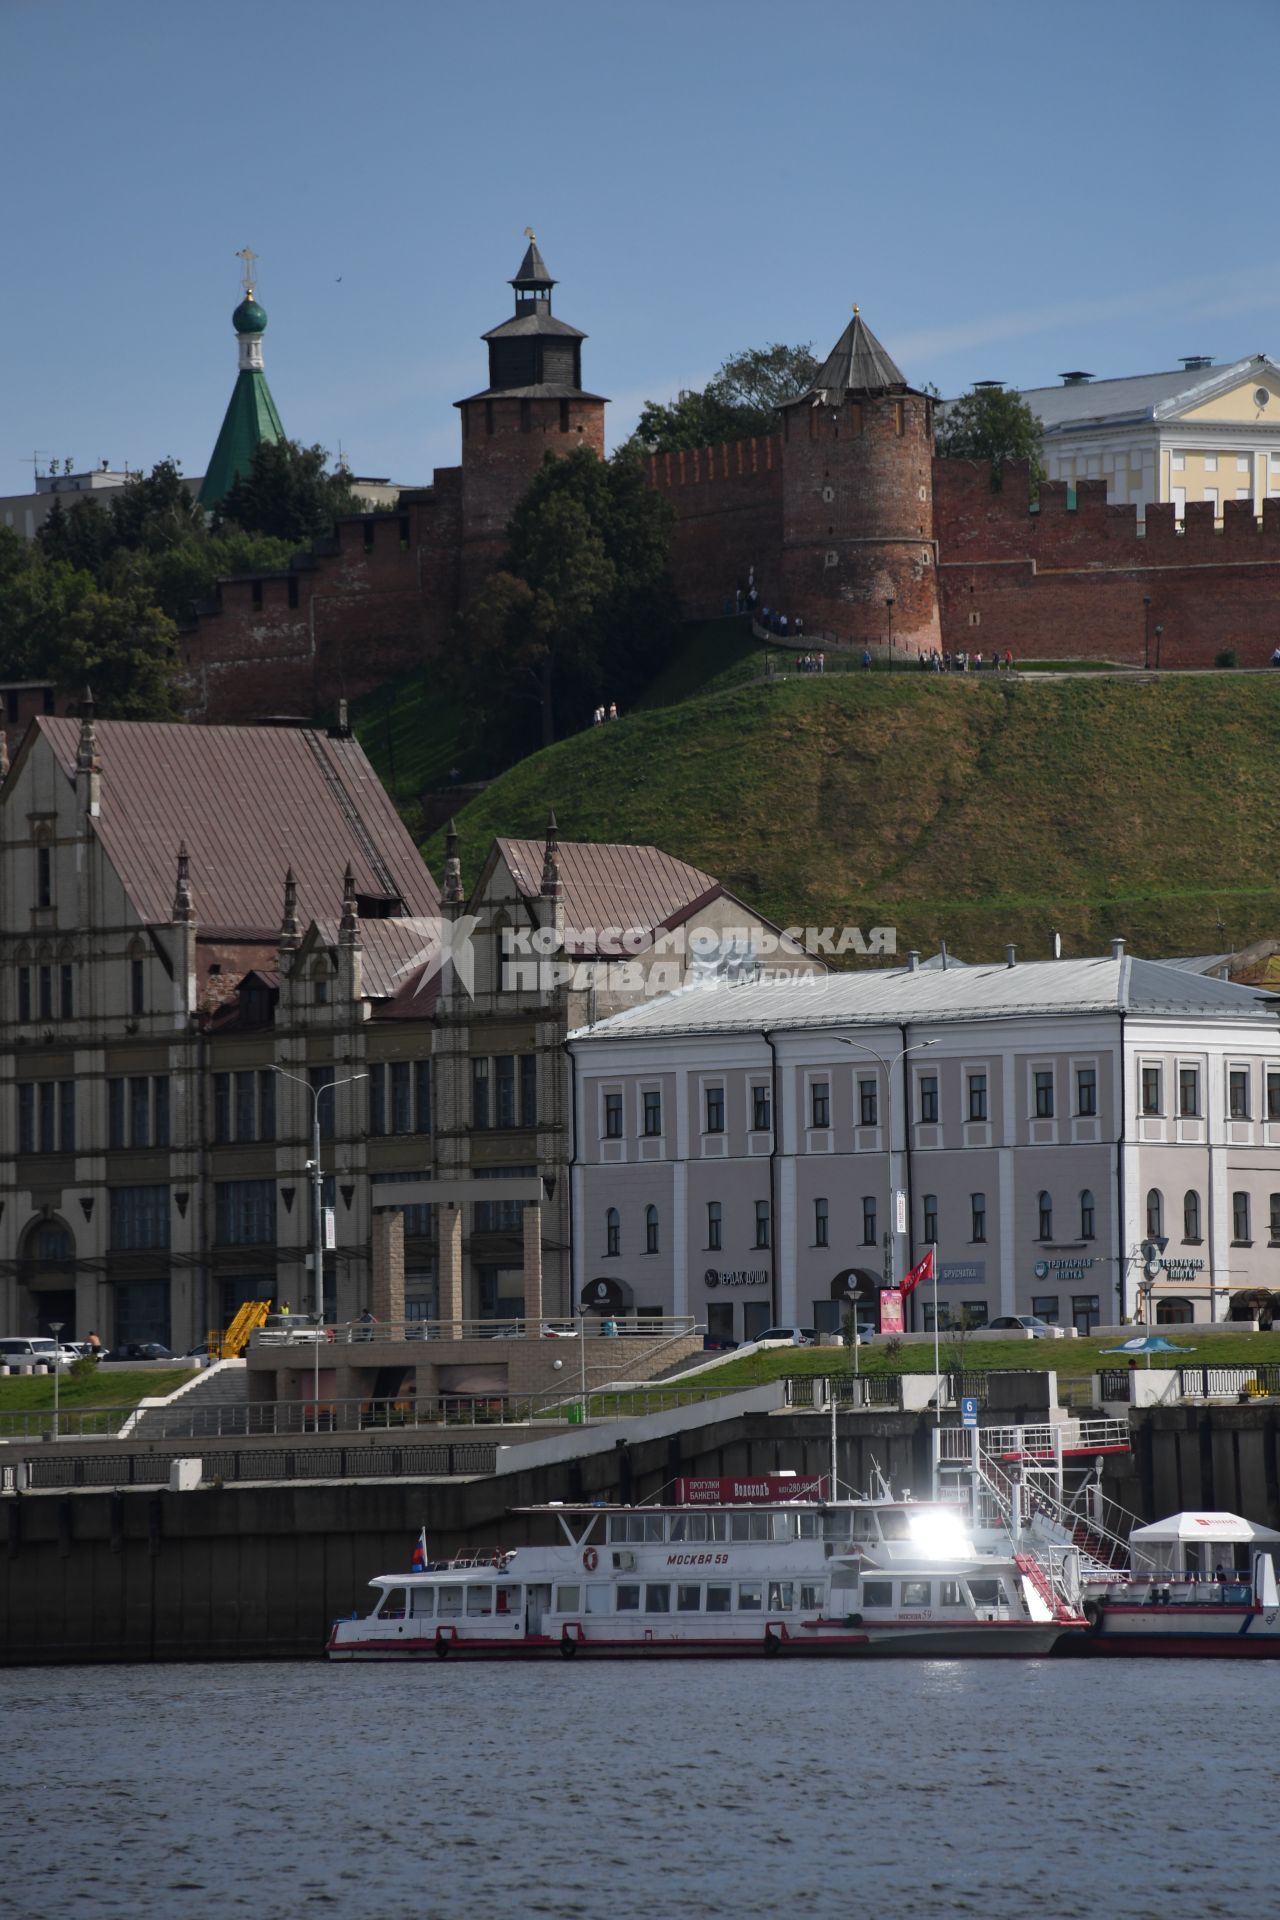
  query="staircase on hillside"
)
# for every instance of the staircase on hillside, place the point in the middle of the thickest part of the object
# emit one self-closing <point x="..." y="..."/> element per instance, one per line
<point x="215" y="1403"/>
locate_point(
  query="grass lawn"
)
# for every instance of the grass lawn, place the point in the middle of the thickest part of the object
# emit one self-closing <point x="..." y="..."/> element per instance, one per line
<point x="1072" y="1359"/>
<point x="124" y="1389"/>
<point x="409" y="729"/>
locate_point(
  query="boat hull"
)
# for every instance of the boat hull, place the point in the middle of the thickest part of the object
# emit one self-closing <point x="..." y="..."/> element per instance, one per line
<point x="1226" y="1632"/>
<point x="1016" y="1640"/>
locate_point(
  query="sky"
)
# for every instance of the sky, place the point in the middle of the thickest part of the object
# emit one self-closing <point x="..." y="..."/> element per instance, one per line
<point x="1007" y="190"/>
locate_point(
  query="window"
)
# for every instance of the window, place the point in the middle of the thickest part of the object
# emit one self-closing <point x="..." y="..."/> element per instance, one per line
<point x="1155" y="1214"/>
<point x="977" y="1096"/>
<point x="24" y="993"/>
<point x="688" y="1599"/>
<point x="977" y="1216"/>
<point x="139" y="1218"/>
<point x="66" y="991"/>
<point x="1211" y="463"/>
<point x="715" y="1110"/>
<point x="500" y="1216"/>
<point x="719" y="1599"/>
<point x="244" y="1213"/>
<point x="821" y="1223"/>
<point x="651" y="1229"/>
<point x="762" y="1223"/>
<point x="782" y="1596"/>
<point x="1189" y="1092"/>
<point x="1044" y="1207"/>
<point x="657" y="1599"/>
<point x="628" y="1596"/>
<point x="877" y="1593"/>
<point x="750" y="1596"/>
<point x="504" y="1090"/>
<point x="613" y="1232"/>
<point x="760" y="1109"/>
<point x="1240" y="1219"/>
<point x="479" y="1093"/>
<point x="868" y="1221"/>
<point x="160" y="1110"/>
<point x="1273" y="1228"/>
<point x="868" y="1103"/>
<point x="1152" y="1090"/>
<point x="820" y="1103"/>
<point x="46" y="1099"/>
<point x="137" y="987"/>
<point x="1044" y="1093"/>
<point x="1087" y="1216"/>
<point x="1045" y="1307"/>
<point x="929" y="1098"/>
<point x="138" y="1111"/>
<point x="652" y="1113"/>
<point x="1238" y="1093"/>
<point x="931" y="1219"/>
<point x="44" y="877"/>
<point x="44" y="983"/>
<point x="1191" y="1216"/>
<point x="1086" y="1091"/>
<point x="714" y="1223"/>
<point x="1273" y="1094"/>
<point x="26" y="1117"/>
<point x="246" y="1105"/>
<point x="1084" y="1312"/>
<point x="613" y="1116"/>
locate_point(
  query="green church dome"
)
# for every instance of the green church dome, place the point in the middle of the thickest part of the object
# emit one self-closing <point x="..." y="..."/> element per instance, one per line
<point x="249" y="317"/>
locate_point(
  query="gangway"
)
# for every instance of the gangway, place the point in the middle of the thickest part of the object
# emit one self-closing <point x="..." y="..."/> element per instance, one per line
<point x="1018" y="1480"/>
<point x="231" y="1344"/>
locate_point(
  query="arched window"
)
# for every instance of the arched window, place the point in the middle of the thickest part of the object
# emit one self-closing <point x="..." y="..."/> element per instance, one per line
<point x="1045" y="1209"/>
<point x="613" y="1231"/>
<point x="1173" y="1313"/>
<point x="651" y="1229"/>
<point x="1155" y="1214"/>
<point x="1087" y="1215"/>
<point x="1191" y="1216"/>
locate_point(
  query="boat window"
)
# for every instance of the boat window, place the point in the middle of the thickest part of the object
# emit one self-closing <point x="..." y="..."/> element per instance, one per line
<point x="717" y="1526"/>
<point x="750" y="1526"/>
<point x="894" y="1524"/>
<point x="808" y="1526"/>
<point x="480" y="1600"/>
<point x="637" y="1527"/>
<point x="782" y="1596"/>
<point x="567" y="1600"/>
<point x="750" y="1596"/>
<point x="986" y="1593"/>
<point x="719" y="1599"/>
<point x="865" y="1527"/>
<point x="949" y="1594"/>
<point x="628" y="1599"/>
<point x="688" y="1599"/>
<point x="393" y="1605"/>
<point x="915" y="1593"/>
<point x="877" y="1593"/>
<point x="811" y="1593"/>
<point x="599" y="1597"/>
<point x="689" y="1526"/>
<point x="657" y="1599"/>
<point x="424" y="1602"/>
<point x="835" y="1526"/>
<point x="449" y="1605"/>
<point x="507" y="1600"/>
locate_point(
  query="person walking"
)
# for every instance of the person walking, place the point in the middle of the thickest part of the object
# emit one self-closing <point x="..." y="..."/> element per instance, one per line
<point x="613" y="710"/>
<point x="866" y="659"/>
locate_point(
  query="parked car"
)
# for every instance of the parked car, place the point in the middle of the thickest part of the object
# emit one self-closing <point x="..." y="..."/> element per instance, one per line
<point x="35" y="1350"/>
<point x="796" y="1336"/>
<point x="1028" y="1322"/>
<point x="140" y="1350"/>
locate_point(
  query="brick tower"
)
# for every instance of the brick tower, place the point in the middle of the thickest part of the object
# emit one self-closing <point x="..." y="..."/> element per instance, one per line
<point x="858" y="552"/>
<point x="534" y="404"/>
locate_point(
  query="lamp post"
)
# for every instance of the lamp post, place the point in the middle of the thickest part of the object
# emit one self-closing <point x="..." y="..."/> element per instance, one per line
<point x="1146" y="630"/>
<point x="888" y="618"/>
<point x="888" y="1064"/>
<point x="317" y="1204"/>
<point x="1159" y="638"/>
<point x="55" y="1328"/>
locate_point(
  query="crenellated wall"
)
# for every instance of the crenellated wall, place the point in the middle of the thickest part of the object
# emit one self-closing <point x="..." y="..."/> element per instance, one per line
<point x="728" y="520"/>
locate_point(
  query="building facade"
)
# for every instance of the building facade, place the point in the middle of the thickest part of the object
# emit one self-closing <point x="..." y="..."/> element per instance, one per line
<point x="756" y="1155"/>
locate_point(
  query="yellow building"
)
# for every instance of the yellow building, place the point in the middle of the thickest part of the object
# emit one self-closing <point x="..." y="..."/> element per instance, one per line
<point x="1198" y="433"/>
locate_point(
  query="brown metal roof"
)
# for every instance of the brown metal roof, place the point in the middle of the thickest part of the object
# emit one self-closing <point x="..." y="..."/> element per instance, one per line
<point x="248" y="802"/>
<point x="612" y="885"/>
<point x="394" y="953"/>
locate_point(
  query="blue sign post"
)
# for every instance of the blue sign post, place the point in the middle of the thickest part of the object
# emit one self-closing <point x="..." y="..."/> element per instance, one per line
<point x="969" y="1410"/>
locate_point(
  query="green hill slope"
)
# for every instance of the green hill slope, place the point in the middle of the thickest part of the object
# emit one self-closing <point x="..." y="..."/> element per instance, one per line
<point x="951" y="809"/>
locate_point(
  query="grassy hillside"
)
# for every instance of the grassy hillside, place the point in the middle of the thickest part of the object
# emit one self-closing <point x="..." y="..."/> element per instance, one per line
<point x="950" y="808"/>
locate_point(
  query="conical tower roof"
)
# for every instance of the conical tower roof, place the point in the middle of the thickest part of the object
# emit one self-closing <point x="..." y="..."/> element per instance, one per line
<point x="251" y="415"/>
<point x="858" y="364"/>
<point x="533" y="268"/>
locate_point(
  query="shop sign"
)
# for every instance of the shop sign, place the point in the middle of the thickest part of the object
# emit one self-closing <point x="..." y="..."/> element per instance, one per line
<point x="1180" y="1269"/>
<point x="1072" y="1266"/>
<point x="740" y="1491"/>
<point x="962" y="1273"/>
<point x="736" y="1277"/>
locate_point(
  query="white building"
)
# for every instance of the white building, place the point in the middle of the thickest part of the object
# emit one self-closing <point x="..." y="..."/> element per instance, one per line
<point x="740" y="1150"/>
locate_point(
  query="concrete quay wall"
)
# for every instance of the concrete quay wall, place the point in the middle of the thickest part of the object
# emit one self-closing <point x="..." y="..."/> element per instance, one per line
<point x="254" y="1572"/>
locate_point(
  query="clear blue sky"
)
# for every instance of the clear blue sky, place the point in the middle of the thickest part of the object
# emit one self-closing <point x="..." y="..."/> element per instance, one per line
<point x="1007" y="189"/>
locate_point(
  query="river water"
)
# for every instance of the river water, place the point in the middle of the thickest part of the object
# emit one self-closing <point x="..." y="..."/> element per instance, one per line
<point x="1021" y="1790"/>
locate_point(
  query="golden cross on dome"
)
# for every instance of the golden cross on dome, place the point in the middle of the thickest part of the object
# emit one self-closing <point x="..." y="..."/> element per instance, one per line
<point x="246" y="256"/>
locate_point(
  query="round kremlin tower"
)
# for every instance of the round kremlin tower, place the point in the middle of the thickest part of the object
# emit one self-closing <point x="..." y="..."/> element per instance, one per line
<point x="858" y="552"/>
<point x="251" y="416"/>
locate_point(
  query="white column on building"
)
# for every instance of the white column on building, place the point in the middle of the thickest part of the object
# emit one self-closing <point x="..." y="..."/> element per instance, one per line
<point x="1006" y="1166"/>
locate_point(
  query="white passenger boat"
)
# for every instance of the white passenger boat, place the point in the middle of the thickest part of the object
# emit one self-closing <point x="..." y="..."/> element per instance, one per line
<point x="765" y="1567"/>
<point x="1198" y="1584"/>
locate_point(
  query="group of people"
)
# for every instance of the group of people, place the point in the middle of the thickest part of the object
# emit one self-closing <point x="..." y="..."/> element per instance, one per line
<point x="602" y="714"/>
<point x="811" y="663"/>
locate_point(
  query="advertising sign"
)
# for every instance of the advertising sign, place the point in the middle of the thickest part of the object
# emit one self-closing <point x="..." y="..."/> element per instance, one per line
<point x="962" y="1273"/>
<point x="736" y="1490"/>
<point x="899" y="1211"/>
<point x="891" y="1320"/>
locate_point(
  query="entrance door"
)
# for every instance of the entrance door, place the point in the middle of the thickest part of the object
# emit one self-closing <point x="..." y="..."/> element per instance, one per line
<point x="55" y="1304"/>
<point x="1084" y="1313"/>
<point x="537" y="1600"/>
<point x="755" y="1318"/>
<point x="720" y="1320"/>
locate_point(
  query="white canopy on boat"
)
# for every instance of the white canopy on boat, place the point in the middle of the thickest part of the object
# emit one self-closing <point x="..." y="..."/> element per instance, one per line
<point x="1210" y="1527"/>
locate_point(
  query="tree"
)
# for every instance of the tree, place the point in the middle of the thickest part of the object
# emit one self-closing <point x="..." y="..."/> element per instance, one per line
<point x="990" y="423"/>
<point x="289" y="493"/>
<point x="741" y="399"/>
<point x="580" y="601"/>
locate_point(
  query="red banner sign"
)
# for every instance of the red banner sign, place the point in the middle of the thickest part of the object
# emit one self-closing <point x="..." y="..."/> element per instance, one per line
<point x="740" y="1491"/>
<point x="891" y="1320"/>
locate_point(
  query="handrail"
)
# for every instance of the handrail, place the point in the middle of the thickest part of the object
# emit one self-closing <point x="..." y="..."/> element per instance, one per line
<point x="302" y="1330"/>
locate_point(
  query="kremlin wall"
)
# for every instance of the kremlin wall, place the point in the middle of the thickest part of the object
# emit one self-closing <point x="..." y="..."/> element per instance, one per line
<point x="844" y="517"/>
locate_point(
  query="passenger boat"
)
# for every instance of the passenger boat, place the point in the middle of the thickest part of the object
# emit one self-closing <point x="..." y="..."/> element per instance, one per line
<point x="1198" y="1584"/>
<point x="766" y="1567"/>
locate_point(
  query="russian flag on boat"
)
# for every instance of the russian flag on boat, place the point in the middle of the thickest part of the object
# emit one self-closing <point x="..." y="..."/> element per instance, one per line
<point x="419" y="1561"/>
<point x="922" y="1270"/>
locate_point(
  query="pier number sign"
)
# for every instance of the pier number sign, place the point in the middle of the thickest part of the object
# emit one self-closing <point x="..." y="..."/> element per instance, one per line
<point x="969" y="1410"/>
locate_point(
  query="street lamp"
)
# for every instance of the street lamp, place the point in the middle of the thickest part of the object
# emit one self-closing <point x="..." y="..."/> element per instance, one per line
<point x="888" y="1064"/>
<point x="317" y="1202"/>
<point x="1146" y="630"/>
<point x="55" y="1328"/>
<point x="1159" y="638"/>
<point x="888" y="617"/>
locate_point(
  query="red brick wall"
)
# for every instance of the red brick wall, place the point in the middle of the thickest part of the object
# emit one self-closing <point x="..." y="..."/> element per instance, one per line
<point x="728" y="519"/>
<point x="498" y="466"/>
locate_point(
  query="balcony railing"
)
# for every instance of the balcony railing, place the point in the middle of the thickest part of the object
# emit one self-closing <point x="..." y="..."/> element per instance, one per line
<point x="301" y="1330"/>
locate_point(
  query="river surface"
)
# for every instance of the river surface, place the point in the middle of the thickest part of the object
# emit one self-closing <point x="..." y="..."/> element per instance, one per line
<point x="1020" y="1790"/>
